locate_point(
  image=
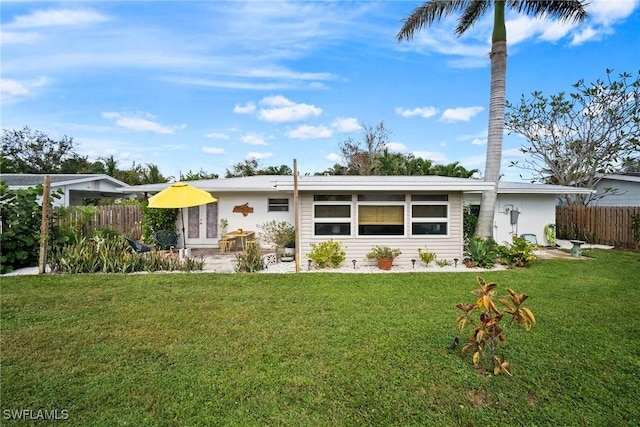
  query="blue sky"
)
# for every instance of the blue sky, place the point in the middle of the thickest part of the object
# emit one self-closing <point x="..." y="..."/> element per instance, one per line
<point x="206" y="84"/>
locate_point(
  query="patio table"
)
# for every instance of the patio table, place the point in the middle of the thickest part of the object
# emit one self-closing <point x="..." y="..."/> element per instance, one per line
<point x="240" y="235"/>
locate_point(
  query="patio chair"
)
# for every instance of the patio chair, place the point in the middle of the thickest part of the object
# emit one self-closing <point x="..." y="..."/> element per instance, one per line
<point x="164" y="239"/>
<point x="138" y="247"/>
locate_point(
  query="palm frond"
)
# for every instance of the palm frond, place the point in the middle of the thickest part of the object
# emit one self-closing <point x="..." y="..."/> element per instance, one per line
<point x="428" y="13"/>
<point x="471" y="14"/>
<point x="562" y="10"/>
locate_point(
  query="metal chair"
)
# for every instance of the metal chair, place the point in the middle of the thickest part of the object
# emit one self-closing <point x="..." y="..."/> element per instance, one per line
<point x="138" y="247"/>
<point x="164" y="239"/>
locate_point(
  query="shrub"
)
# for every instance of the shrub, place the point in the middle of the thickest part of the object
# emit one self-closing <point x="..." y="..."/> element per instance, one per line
<point x="249" y="260"/>
<point x="444" y="262"/>
<point x="105" y="252"/>
<point x="279" y="233"/>
<point x="156" y="220"/>
<point x="481" y="252"/>
<point x="426" y="256"/>
<point x="517" y="254"/>
<point x="378" y="252"/>
<point x="328" y="252"/>
<point x="469" y="222"/>
<point x="488" y="330"/>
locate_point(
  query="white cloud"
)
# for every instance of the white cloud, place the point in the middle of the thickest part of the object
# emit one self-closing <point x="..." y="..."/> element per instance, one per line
<point x="425" y="112"/>
<point x="253" y="139"/>
<point x="137" y="123"/>
<point x="460" y="114"/>
<point x="10" y="88"/>
<point x="13" y="89"/>
<point x="18" y="37"/>
<point x="479" y="141"/>
<point x="333" y="157"/>
<point x="258" y="156"/>
<point x="431" y="155"/>
<point x="278" y="109"/>
<point x="396" y="146"/>
<point x="310" y="132"/>
<point x="247" y="108"/>
<point x="346" y="125"/>
<point x="217" y="135"/>
<point x="213" y="150"/>
<point x="57" y="18"/>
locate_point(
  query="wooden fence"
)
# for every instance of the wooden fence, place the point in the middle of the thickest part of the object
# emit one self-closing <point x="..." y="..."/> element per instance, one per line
<point x="604" y="225"/>
<point x="127" y="219"/>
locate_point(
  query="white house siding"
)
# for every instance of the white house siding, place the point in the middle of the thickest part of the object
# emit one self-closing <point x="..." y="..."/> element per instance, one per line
<point x="356" y="247"/>
<point x="627" y="194"/>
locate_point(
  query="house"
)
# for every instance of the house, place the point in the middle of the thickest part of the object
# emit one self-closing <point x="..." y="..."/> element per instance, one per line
<point x="405" y="212"/>
<point x="618" y="190"/>
<point x="76" y="188"/>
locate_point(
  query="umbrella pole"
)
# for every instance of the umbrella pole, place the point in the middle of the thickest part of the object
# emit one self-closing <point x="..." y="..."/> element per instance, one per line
<point x="184" y="238"/>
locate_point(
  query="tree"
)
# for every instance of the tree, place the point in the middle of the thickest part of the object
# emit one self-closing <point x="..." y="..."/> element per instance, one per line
<point x="573" y="139"/>
<point x="359" y="157"/>
<point x="471" y="11"/>
<point x="33" y="151"/>
<point x="196" y="176"/>
<point x="252" y="167"/>
<point x="454" y="169"/>
<point x="631" y="165"/>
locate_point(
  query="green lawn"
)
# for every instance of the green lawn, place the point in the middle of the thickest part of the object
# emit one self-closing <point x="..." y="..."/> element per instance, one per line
<point x="319" y="349"/>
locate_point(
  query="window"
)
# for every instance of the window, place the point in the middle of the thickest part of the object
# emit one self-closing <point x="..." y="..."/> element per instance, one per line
<point x="332" y="219"/>
<point x="278" y="205"/>
<point x="377" y="220"/>
<point x="432" y="219"/>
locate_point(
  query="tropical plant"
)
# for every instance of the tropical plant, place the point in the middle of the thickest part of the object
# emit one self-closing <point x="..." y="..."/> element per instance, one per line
<point x="379" y="252"/>
<point x="519" y="253"/>
<point x="426" y="256"/>
<point x="489" y="330"/>
<point x="443" y="262"/>
<point x="279" y="233"/>
<point x="471" y="11"/>
<point x="550" y="233"/>
<point x="469" y="221"/>
<point x="329" y="252"/>
<point x="482" y="252"/>
<point x="249" y="260"/>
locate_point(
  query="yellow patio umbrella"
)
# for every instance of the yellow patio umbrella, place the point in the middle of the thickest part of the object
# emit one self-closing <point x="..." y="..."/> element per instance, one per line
<point x="181" y="195"/>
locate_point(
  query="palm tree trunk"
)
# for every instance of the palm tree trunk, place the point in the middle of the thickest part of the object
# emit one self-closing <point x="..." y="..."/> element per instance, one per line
<point x="498" y="56"/>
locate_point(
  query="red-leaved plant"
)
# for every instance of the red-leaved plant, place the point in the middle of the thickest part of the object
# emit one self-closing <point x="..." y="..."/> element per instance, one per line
<point x="489" y="327"/>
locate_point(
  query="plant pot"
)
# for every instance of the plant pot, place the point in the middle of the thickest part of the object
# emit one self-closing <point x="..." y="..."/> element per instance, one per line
<point x="385" y="263"/>
<point x="289" y="251"/>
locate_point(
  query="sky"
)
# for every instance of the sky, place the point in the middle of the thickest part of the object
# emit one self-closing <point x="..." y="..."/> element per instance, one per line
<point x="204" y="85"/>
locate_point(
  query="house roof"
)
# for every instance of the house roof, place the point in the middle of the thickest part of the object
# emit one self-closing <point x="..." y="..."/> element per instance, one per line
<point x="628" y="177"/>
<point x="272" y="183"/>
<point x="24" y="180"/>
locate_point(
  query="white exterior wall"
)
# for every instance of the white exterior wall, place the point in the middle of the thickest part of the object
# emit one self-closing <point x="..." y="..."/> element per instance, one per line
<point x="356" y="247"/>
<point x="536" y="211"/>
<point x="227" y="201"/>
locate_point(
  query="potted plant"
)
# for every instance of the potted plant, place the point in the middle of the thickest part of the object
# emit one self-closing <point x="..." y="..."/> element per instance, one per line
<point x="224" y="223"/>
<point x="281" y="234"/>
<point x="384" y="255"/>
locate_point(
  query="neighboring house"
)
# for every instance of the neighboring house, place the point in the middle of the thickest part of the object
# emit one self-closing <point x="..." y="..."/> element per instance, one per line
<point x="618" y="190"/>
<point x="405" y="212"/>
<point x="76" y="187"/>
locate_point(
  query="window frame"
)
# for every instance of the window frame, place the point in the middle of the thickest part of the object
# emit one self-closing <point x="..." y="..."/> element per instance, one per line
<point x="430" y="220"/>
<point x="338" y="220"/>
<point x="271" y="205"/>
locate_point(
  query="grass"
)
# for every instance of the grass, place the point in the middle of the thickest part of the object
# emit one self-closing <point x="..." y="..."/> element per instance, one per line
<point x="319" y="349"/>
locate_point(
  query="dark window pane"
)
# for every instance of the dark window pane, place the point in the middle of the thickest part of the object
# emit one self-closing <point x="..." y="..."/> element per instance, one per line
<point x="381" y="230"/>
<point x="429" y="211"/>
<point x="438" y="228"/>
<point x="381" y="197"/>
<point x="332" y="229"/>
<point x="278" y="205"/>
<point x="332" y="197"/>
<point x="332" y="211"/>
<point x="430" y="197"/>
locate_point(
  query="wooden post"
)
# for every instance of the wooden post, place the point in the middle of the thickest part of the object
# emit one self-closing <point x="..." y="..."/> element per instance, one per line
<point x="44" y="229"/>
<point x="296" y="214"/>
